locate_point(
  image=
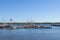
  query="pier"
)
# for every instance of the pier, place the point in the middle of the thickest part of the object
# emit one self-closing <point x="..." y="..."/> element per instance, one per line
<point x="18" y="25"/>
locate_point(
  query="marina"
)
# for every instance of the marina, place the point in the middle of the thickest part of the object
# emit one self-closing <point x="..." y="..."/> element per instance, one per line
<point x="16" y="25"/>
<point x="29" y="19"/>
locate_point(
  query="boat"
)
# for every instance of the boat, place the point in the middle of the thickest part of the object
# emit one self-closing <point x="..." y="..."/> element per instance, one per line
<point x="44" y="27"/>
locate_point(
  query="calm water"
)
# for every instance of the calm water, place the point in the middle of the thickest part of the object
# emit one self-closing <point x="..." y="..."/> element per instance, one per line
<point x="30" y="34"/>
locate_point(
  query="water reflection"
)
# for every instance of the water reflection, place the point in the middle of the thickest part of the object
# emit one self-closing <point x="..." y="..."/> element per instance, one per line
<point x="30" y="34"/>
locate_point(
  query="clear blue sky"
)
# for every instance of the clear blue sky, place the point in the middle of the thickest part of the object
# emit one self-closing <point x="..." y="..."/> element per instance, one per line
<point x="23" y="10"/>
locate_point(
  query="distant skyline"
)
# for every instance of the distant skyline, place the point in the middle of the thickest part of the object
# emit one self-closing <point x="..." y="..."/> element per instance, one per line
<point x="30" y="10"/>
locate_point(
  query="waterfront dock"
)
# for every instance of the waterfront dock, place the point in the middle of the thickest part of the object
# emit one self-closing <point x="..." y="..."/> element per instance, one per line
<point x="17" y="25"/>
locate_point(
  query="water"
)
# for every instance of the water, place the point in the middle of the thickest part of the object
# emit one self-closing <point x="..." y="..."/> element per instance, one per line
<point x="30" y="34"/>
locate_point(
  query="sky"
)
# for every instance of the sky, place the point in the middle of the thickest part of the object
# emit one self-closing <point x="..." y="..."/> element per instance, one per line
<point x="30" y="10"/>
